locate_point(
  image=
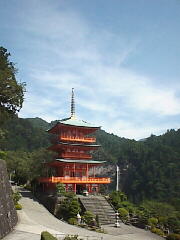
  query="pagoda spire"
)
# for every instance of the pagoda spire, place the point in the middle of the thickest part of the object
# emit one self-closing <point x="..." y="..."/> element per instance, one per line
<point x="72" y="104"/>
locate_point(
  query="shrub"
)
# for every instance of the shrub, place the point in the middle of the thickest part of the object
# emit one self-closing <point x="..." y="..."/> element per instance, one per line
<point x="47" y="236"/>
<point x="123" y="213"/>
<point x="173" y="236"/>
<point x="60" y="189"/>
<point x="69" y="208"/>
<point x="72" y="221"/>
<point x="18" y="206"/>
<point x="16" y="197"/>
<point x="152" y="221"/>
<point x="71" y="237"/>
<point x="89" y="218"/>
<point x="157" y="231"/>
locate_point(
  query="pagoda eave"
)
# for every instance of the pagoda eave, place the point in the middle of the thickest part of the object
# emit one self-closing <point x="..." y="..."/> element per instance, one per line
<point x="59" y="162"/>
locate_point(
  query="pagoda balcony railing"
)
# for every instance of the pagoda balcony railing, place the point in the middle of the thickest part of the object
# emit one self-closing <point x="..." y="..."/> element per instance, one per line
<point x="78" y="139"/>
<point x="74" y="180"/>
<point x="76" y="155"/>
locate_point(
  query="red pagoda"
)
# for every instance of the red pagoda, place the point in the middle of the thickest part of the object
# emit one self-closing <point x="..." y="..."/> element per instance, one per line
<point x="74" y="166"/>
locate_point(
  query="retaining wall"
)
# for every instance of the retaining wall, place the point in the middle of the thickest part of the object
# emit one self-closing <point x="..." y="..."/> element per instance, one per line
<point x="8" y="215"/>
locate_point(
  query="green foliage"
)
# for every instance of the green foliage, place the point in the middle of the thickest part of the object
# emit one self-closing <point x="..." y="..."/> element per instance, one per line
<point x="157" y="231"/>
<point x="3" y="154"/>
<point x="152" y="221"/>
<point x="149" y="168"/>
<point x="153" y="168"/>
<point x="69" y="208"/>
<point x="72" y="221"/>
<point x="60" y="189"/>
<point x="174" y="224"/>
<point x="123" y="213"/>
<point x="71" y="237"/>
<point x="16" y="197"/>
<point x="18" y="206"/>
<point x="159" y="209"/>
<point x="89" y="218"/>
<point x="173" y="236"/>
<point x="47" y="236"/>
<point x="116" y="198"/>
<point x="11" y="92"/>
<point x="26" y="165"/>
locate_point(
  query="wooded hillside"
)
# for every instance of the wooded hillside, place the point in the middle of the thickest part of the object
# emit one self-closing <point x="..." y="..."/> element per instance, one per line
<point x="149" y="168"/>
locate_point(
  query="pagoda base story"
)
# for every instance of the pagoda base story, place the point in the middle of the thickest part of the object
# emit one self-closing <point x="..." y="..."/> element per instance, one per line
<point x="71" y="187"/>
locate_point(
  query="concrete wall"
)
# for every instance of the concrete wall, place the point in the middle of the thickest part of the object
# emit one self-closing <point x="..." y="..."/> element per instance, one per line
<point x="8" y="215"/>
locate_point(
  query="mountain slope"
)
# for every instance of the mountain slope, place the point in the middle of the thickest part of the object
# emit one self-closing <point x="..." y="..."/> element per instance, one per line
<point x="149" y="169"/>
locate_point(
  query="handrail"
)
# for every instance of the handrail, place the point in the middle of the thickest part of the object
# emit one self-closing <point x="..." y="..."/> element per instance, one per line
<point x="74" y="180"/>
<point x="76" y="155"/>
<point x="78" y="139"/>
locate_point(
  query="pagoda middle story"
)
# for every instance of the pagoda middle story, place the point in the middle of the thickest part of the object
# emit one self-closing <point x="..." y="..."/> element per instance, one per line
<point x="73" y="165"/>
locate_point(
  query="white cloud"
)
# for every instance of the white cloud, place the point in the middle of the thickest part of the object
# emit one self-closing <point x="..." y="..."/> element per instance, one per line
<point x="72" y="54"/>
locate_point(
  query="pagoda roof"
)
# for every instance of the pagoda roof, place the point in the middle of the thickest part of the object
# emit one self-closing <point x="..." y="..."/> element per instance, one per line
<point x="77" y="122"/>
<point x="73" y="121"/>
<point x="79" y="161"/>
<point x="78" y="144"/>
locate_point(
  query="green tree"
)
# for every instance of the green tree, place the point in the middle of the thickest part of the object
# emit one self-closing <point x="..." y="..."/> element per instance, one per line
<point x="11" y="92"/>
<point x="89" y="218"/>
<point x="60" y="189"/>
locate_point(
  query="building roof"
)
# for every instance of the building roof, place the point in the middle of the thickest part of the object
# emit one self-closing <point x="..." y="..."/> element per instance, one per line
<point x="73" y="121"/>
<point x="79" y="161"/>
<point x="78" y="144"/>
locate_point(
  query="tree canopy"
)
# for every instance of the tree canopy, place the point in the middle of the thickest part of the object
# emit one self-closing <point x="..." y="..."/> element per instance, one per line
<point x="11" y="92"/>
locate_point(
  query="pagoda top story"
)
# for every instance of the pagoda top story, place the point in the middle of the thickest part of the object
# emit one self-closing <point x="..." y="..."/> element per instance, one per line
<point x="73" y="120"/>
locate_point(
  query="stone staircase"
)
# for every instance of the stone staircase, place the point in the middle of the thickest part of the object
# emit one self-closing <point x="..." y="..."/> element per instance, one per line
<point x="99" y="206"/>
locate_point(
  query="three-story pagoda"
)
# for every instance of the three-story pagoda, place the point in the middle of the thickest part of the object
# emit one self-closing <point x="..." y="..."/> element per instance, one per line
<point x="74" y="166"/>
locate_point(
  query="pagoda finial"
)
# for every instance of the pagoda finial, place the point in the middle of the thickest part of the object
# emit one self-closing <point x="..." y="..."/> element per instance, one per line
<point x="72" y="104"/>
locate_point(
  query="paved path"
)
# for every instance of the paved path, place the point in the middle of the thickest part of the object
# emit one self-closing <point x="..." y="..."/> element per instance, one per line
<point x="34" y="218"/>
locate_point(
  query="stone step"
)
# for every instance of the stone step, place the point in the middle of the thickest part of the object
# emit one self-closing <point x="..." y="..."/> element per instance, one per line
<point x="99" y="206"/>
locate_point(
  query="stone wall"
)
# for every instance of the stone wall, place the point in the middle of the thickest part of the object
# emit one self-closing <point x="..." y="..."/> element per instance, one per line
<point x="8" y="215"/>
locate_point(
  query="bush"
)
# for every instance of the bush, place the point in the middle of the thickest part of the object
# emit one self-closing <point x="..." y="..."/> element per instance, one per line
<point x="152" y="221"/>
<point x="173" y="236"/>
<point x="89" y="218"/>
<point x="71" y="237"/>
<point x="18" y="206"/>
<point x="157" y="231"/>
<point x="16" y="197"/>
<point x="60" y="189"/>
<point x="69" y="208"/>
<point x="72" y="221"/>
<point x="123" y="213"/>
<point x="47" y="236"/>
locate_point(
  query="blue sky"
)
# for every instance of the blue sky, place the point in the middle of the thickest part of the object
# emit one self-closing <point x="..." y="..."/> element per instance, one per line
<point x="121" y="56"/>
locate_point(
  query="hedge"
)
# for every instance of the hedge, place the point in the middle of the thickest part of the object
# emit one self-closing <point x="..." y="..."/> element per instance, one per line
<point x="47" y="236"/>
<point x="18" y="206"/>
<point x="173" y="236"/>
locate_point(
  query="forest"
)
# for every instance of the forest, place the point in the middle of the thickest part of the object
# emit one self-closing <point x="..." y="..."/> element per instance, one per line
<point x="149" y="168"/>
